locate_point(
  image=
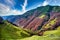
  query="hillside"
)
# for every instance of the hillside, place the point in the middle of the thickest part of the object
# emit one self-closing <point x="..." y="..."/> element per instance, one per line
<point x="40" y="17"/>
<point x="11" y="32"/>
<point x="46" y="36"/>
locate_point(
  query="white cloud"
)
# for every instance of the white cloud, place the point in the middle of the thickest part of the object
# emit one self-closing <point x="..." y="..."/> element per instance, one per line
<point x="6" y="10"/>
<point x="55" y="2"/>
<point x="24" y="6"/>
<point x="51" y="2"/>
<point x="10" y="2"/>
<point x="45" y="3"/>
<point x="17" y="12"/>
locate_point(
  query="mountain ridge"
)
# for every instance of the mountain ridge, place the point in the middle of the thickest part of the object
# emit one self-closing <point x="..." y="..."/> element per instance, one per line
<point x="31" y="16"/>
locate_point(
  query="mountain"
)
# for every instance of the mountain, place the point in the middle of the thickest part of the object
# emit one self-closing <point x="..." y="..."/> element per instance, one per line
<point x="53" y="22"/>
<point x="39" y="18"/>
<point x="42" y="23"/>
<point x="42" y="9"/>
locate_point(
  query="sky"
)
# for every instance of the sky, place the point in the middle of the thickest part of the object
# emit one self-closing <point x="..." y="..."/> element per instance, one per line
<point x="19" y="7"/>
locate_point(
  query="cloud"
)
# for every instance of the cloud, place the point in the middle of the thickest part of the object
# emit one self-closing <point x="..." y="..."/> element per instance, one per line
<point x="24" y="6"/>
<point x="17" y="12"/>
<point x="10" y="3"/>
<point x="51" y="2"/>
<point x="55" y="2"/>
<point x="45" y="3"/>
<point x="6" y="11"/>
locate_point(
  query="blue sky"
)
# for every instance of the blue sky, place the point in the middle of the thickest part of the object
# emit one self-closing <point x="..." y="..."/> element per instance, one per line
<point x="19" y="7"/>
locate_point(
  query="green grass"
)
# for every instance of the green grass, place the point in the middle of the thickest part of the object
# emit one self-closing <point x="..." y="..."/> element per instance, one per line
<point x="48" y="35"/>
<point x="58" y="28"/>
<point x="50" y="23"/>
<point x="42" y="16"/>
<point x="9" y="31"/>
<point x="52" y="33"/>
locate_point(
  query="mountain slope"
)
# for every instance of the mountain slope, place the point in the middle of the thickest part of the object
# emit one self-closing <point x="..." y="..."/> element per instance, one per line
<point x="30" y="15"/>
<point x="42" y="9"/>
<point x="9" y="31"/>
<point x="37" y="18"/>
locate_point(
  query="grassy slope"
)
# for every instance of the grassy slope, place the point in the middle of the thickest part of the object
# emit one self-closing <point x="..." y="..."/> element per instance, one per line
<point x="52" y="22"/>
<point x="48" y="35"/>
<point x="9" y="31"/>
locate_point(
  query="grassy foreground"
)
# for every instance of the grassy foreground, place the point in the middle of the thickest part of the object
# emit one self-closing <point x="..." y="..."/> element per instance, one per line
<point x="48" y="35"/>
<point x="11" y="32"/>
